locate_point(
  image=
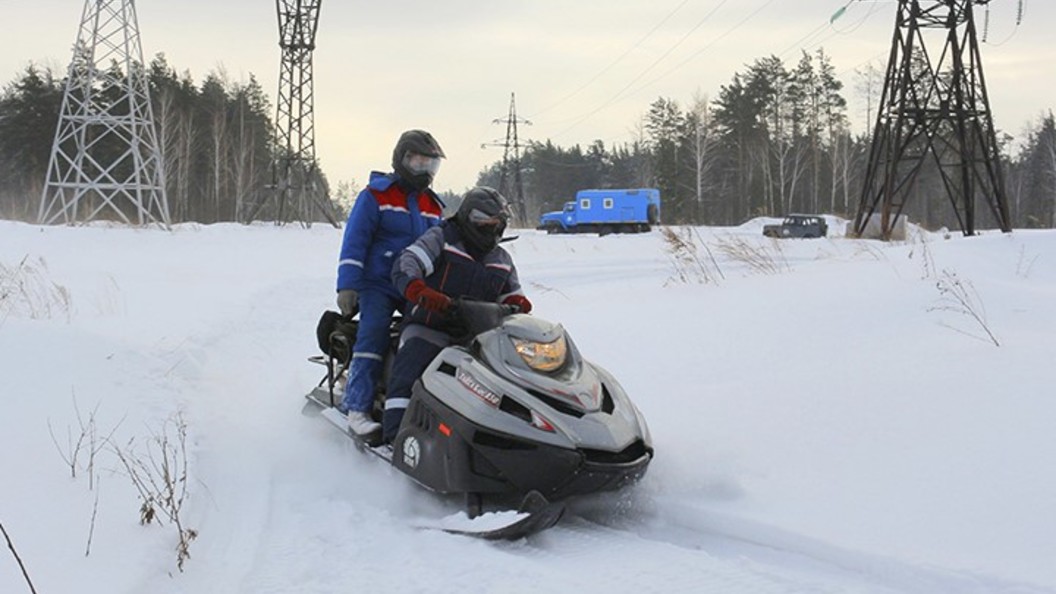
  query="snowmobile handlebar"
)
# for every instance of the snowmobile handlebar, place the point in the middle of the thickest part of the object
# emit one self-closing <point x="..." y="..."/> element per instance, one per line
<point x="470" y="317"/>
<point x="467" y="307"/>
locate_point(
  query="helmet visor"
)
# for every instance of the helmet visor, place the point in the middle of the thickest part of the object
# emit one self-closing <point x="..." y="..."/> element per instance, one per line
<point x="483" y="219"/>
<point x="418" y="163"/>
<point x="488" y="225"/>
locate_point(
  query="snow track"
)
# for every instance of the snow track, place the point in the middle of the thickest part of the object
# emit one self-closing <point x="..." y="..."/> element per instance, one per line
<point x="850" y="478"/>
<point x="795" y="562"/>
<point x="303" y="511"/>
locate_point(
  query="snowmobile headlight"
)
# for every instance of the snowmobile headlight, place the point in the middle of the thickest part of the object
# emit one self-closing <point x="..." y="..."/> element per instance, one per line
<point x="542" y="356"/>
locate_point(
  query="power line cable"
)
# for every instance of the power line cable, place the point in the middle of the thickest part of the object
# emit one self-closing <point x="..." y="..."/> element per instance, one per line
<point x="696" y="54"/>
<point x="726" y="34"/>
<point x="616" y="95"/>
<point x="613" y="63"/>
<point x="1015" y="30"/>
<point x="811" y="41"/>
<point x="622" y="94"/>
<point x="858" y="25"/>
<point x="803" y="40"/>
<point x="837" y="32"/>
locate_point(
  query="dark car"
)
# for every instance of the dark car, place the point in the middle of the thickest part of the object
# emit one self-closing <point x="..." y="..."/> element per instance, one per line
<point x="805" y="226"/>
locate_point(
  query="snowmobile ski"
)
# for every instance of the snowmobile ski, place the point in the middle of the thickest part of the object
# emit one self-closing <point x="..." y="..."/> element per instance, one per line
<point x="534" y="515"/>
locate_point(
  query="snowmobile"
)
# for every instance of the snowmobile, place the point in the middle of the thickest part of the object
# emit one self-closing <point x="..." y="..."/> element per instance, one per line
<point x="509" y="411"/>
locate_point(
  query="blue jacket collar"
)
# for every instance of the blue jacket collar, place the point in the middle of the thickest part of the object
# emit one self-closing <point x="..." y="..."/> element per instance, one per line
<point x="381" y="181"/>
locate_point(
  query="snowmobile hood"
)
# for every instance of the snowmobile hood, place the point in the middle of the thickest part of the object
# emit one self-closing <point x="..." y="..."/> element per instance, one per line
<point x="574" y="384"/>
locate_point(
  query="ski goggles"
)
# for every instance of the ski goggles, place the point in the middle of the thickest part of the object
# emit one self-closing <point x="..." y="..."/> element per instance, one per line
<point x="483" y="219"/>
<point x="418" y="163"/>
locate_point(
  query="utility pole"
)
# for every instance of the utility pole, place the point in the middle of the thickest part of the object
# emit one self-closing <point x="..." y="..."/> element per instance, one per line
<point x="510" y="183"/>
<point x="105" y="158"/>
<point x="934" y="104"/>
<point x="296" y="190"/>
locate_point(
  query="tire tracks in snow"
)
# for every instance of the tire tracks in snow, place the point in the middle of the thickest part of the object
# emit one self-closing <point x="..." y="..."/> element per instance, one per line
<point x="231" y="374"/>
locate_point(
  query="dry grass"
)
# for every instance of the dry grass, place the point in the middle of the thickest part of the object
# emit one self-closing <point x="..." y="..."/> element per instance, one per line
<point x="685" y="245"/>
<point x="927" y="261"/>
<point x="960" y="297"/>
<point x="761" y="258"/>
<point x="157" y="467"/>
<point x="158" y="470"/>
<point x="27" y="292"/>
<point x="83" y="442"/>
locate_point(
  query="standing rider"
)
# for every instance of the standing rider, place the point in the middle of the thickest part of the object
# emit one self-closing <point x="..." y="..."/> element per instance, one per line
<point x="390" y="213"/>
<point x="460" y="258"/>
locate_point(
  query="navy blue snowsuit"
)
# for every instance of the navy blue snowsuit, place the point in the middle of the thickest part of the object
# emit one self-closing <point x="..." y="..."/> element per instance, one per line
<point x="443" y="260"/>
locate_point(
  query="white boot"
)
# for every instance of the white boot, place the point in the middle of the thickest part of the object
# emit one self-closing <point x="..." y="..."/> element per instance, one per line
<point x="361" y="424"/>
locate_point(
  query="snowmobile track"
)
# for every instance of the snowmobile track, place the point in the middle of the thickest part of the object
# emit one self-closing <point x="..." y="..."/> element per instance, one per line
<point x="769" y="550"/>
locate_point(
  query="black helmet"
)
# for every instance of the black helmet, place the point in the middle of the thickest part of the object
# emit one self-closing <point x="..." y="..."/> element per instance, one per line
<point x="482" y="218"/>
<point x="416" y="158"/>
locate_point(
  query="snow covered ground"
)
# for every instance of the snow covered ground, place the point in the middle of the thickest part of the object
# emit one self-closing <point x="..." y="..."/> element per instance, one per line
<point x="827" y="417"/>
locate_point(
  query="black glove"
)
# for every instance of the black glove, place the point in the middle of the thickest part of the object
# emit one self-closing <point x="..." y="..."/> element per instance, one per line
<point x="346" y="301"/>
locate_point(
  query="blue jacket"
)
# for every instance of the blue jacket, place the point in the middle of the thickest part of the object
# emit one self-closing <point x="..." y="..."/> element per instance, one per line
<point x="384" y="220"/>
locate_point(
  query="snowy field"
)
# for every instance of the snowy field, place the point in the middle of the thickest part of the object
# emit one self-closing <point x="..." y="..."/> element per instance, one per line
<point x="828" y="415"/>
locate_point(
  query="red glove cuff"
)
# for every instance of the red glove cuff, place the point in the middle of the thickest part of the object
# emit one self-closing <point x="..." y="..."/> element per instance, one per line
<point x="419" y="293"/>
<point x="414" y="290"/>
<point x="520" y="301"/>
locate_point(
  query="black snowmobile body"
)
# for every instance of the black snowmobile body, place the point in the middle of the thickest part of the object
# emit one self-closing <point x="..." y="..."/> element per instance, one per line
<point x="512" y="409"/>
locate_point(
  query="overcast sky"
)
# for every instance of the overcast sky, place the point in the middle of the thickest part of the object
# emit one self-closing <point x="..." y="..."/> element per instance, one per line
<point x="581" y="70"/>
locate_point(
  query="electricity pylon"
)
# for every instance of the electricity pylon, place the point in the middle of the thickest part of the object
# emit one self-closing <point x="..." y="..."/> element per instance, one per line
<point x="105" y="155"/>
<point x="296" y="189"/>
<point x="510" y="183"/>
<point x="934" y="104"/>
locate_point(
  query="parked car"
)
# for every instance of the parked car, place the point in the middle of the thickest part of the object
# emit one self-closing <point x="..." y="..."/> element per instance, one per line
<point x="798" y="225"/>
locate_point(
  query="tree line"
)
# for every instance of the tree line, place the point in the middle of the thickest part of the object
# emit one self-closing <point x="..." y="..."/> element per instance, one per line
<point x="776" y="139"/>
<point x="217" y="141"/>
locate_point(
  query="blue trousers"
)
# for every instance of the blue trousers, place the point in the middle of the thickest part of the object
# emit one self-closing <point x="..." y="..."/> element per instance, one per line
<point x="415" y="354"/>
<point x="368" y="354"/>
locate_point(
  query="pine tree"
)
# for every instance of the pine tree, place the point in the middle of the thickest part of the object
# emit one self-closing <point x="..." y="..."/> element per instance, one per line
<point x="665" y="124"/>
<point x="29" y="111"/>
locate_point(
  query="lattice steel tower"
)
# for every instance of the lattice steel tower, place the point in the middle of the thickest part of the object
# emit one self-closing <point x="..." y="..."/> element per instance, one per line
<point x="297" y="188"/>
<point x="510" y="183"/>
<point x="105" y="157"/>
<point x="934" y="104"/>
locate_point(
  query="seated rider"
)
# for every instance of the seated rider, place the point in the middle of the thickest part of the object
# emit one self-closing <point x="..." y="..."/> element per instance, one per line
<point x="390" y="213"/>
<point x="459" y="258"/>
